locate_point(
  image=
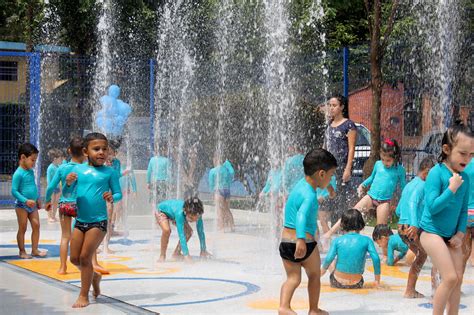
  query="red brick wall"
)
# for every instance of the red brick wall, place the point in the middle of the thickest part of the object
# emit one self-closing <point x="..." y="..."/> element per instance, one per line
<point x="391" y="118"/>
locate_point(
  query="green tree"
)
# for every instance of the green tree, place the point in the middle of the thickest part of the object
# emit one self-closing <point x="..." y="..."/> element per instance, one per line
<point x="379" y="39"/>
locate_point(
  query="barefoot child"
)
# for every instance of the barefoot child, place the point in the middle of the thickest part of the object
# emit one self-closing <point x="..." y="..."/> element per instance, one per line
<point x="180" y="213"/>
<point x="351" y="250"/>
<point x="409" y="210"/>
<point x="298" y="247"/>
<point x="158" y="175"/>
<point x="27" y="202"/>
<point x="220" y="180"/>
<point x="96" y="185"/>
<point x="389" y="243"/>
<point x="444" y="217"/>
<point x="67" y="201"/>
<point x="386" y="175"/>
<point x="56" y="157"/>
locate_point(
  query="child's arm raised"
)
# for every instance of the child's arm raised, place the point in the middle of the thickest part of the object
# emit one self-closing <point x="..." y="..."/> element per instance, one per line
<point x="457" y="239"/>
<point x="436" y="199"/>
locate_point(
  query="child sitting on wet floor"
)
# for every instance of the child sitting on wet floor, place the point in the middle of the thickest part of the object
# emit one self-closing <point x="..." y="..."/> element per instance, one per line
<point x="351" y="249"/>
<point x="180" y="213"/>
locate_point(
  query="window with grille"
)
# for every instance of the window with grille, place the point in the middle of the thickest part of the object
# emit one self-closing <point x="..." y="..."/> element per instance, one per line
<point x="8" y="70"/>
<point x="412" y="119"/>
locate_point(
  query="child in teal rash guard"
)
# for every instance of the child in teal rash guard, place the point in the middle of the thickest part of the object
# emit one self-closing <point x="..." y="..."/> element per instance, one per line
<point x="180" y="213"/>
<point x="220" y="180"/>
<point x="386" y="175"/>
<point x="444" y="217"/>
<point x="409" y="211"/>
<point x="96" y="185"/>
<point x="298" y="248"/>
<point x="56" y="157"/>
<point x="158" y="175"/>
<point x="67" y="201"/>
<point x="292" y="171"/>
<point x="272" y="196"/>
<point x="389" y="243"/>
<point x="351" y="250"/>
<point x="27" y="201"/>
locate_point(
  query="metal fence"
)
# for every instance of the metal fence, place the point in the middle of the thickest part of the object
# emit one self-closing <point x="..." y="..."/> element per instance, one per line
<point x="49" y="97"/>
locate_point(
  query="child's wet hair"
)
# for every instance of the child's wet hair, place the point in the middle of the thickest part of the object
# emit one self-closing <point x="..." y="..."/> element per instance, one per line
<point x="391" y="147"/>
<point x="317" y="160"/>
<point x="26" y="149"/>
<point x="114" y="145"/>
<point x="380" y="231"/>
<point x="54" y="154"/>
<point x="450" y="137"/>
<point x="75" y="146"/>
<point x="427" y="163"/>
<point x="194" y="206"/>
<point x="94" y="136"/>
<point x="342" y="102"/>
<point x="352" y="220"/>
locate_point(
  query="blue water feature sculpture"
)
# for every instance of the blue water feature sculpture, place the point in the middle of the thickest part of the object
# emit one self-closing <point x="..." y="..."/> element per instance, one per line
<point x="111" y="119"/>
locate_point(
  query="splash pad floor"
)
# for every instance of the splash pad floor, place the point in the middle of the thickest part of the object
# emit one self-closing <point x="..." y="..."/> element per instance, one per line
<point x="243" y="276"/>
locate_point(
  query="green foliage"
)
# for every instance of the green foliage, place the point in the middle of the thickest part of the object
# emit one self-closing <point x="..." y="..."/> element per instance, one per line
<point x="345" y="23"/>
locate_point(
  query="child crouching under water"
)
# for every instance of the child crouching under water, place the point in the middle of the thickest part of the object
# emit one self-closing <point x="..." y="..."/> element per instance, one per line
<point x="180" y="213"/>
<point x="351" y="249"/>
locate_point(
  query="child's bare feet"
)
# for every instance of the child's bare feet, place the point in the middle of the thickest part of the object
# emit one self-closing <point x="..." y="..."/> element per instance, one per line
<point x="61" y="271"/>
<point x="38" y="253"/>
<point x="96" y="284"/>
<point x="101" y="270"/>
<point x="413" y="295"/>
<point x="318" y="312"/>
<point x="162" y="259"/>
<point x="24" y="255"/>
<point x="178" y="256"/>
<point x="286" y="311"/>
<point x="82" y="301"/>
<point x="109" y="251"/>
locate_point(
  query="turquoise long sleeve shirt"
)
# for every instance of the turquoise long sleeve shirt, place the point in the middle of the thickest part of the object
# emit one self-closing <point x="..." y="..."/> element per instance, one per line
<point x="444" y="213"/>
<point x="92" y="182"/>
<point x="273" y="183"/>
<point x="293" y="171"/>
<point x="128" y="182"/>
<point x="24" y="185"/>
<point x="395" y="243"/>
<point x="50" y="171"/>
<point x="221" y="177"/>
<point x="469" y="170"/>
<point x="301" y="209"/>
<point x="410" y="206"/>
<point x="174" y="210"/>
<point x="68" y="193"/>
<point x="351" y="250"/>
<point x="383" y="181"/>
<point x="159" y="169"/>
<point x="324" y="193"/>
